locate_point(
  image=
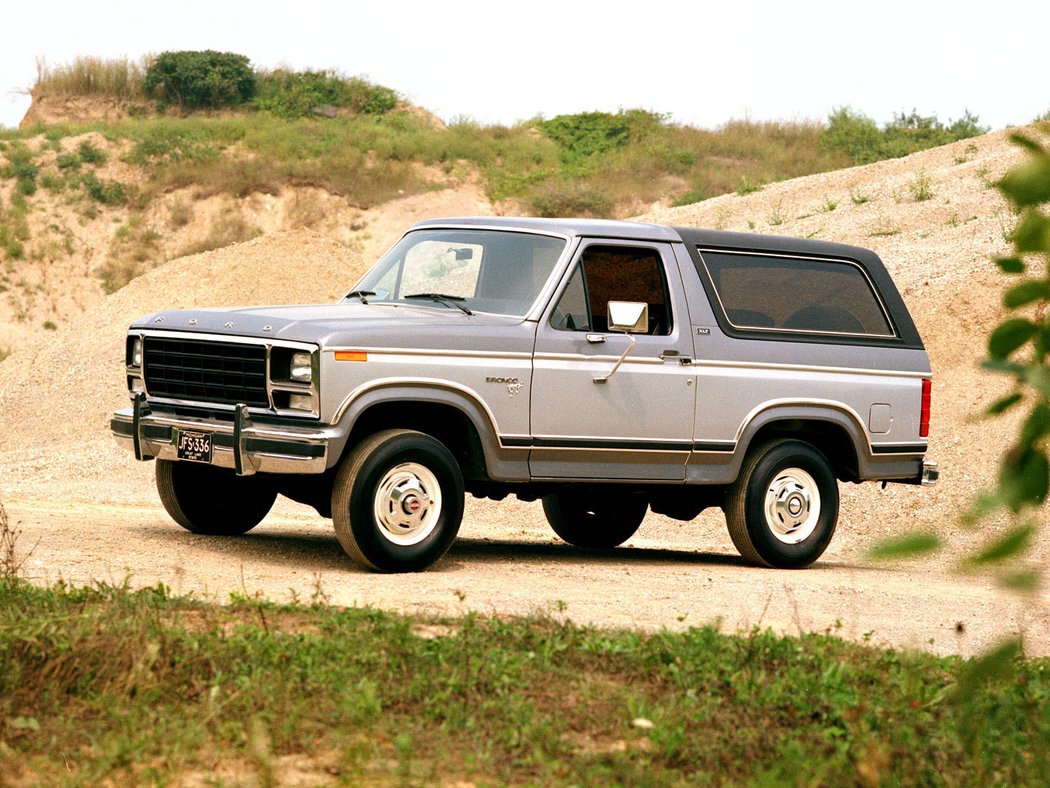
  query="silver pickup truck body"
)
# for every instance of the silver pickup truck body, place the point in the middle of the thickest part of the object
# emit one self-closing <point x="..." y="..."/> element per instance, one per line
<point x="496" y="340"/>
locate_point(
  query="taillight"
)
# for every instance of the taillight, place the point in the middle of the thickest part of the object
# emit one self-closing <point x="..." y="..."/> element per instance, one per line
<point x="924" y="418"/>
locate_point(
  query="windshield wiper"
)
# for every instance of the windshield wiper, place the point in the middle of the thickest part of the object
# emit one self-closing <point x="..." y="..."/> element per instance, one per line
<point x="444" y="299"/>
<point x="360" y="294"/>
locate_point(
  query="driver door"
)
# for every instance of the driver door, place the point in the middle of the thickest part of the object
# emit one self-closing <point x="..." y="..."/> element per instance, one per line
<point x="638" y="424"/>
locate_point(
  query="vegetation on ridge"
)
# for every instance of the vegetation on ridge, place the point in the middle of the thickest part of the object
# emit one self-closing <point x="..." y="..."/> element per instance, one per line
<point x="355" y="140"/>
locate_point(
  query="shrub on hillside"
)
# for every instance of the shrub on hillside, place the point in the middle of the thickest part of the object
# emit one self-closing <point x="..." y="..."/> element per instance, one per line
<point x="586" y="135"/>
<point x="858" y="136"/>
<point x="295" y="94"/>
<point x="567" y="198"/>
<point x="201" y="79"/>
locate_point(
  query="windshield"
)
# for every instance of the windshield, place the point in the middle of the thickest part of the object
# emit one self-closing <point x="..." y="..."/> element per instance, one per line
<point x="474" y="270"/>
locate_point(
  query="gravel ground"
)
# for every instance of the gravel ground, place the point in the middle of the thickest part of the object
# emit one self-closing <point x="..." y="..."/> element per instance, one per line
<point x="90" y="513"/>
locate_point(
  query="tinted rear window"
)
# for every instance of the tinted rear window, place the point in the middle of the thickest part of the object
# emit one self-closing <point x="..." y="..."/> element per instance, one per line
<point x="774" y="293"/>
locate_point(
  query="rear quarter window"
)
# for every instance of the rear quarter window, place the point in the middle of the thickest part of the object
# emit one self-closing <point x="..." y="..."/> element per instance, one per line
<point x="760" y="292"/>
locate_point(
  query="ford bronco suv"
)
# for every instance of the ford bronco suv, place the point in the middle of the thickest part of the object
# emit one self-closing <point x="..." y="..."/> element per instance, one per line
<point x="604" y="368"/>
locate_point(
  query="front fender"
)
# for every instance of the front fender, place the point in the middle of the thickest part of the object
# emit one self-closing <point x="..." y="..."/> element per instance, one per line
<point x="502" y="463"/>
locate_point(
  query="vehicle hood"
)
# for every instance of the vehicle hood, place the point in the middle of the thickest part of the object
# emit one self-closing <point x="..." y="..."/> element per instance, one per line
<point x="325" y="324"/>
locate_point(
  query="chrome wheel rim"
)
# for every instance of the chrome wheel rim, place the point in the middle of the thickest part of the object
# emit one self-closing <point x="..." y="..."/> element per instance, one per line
<point x="792" y="506"/>
<point x="407" y="504"/>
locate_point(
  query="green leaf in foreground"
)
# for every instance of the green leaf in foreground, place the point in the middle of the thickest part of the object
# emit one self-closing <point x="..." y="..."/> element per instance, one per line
<point x="1025" y="293"/>
<point x="1010" y="265"/>
<point x="1033" y="233"/>
<point x="1036" y="425"/>
<point x="906" y="546"/>
<point x="1009" y="544"/>
<point x="1029" y="183"/>
<point x="1009" y="336"/>
<point x="982" y="507"/>
<point x="1004" y="404"/>
<point x="1039" y="379"/>
<point x="1005" y="367"/>
<point x="1024" y="477"/>
<point x="1024" y="581"/>
<point x="996" y="666"/>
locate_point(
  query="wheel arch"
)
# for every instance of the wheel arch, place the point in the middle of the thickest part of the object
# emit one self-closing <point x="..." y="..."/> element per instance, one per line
<point x="449" y="413"/>
<point x="833" y="429"/>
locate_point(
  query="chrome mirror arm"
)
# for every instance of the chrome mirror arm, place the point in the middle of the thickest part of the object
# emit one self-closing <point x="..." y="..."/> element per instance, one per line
<point x="619" y="361"/>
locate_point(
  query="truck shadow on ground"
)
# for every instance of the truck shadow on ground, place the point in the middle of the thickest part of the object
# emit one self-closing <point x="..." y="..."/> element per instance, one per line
<point x="321" y="552"/>
<point x="497" y="550"/>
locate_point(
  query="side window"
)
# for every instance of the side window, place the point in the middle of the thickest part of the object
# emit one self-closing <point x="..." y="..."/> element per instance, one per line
<point x="571" y="313"/>
<point x="766" y="292"/>
<point x="613" y="273"/>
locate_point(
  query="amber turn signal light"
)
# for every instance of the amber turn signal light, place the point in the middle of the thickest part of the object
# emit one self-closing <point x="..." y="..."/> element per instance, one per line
<point x="351" y="355"/>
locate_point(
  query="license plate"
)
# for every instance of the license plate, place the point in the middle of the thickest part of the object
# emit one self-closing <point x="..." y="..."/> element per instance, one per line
<point x="195" y="446"/>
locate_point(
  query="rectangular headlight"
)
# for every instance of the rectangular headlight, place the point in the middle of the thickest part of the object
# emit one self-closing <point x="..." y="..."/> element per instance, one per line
<point x="135" y="352"/>
<point x="301" y="368"/>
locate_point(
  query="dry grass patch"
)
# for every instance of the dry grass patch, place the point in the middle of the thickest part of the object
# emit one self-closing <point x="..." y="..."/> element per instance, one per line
<point x="92" y="76"/>
<point x="229" y="227"/>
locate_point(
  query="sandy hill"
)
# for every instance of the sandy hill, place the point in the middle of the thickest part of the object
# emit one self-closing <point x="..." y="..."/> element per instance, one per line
<point x="82" y="247"/>
<point x="934" y="218"/>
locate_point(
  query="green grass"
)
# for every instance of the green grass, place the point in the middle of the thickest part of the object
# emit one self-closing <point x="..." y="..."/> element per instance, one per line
<point x="113" y="685"/>
<point x="920" y="187"/>
<point x="14" y="227"/>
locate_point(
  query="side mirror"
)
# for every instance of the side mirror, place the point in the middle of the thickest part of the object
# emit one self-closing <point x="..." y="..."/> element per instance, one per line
<point x="629" y="316"/>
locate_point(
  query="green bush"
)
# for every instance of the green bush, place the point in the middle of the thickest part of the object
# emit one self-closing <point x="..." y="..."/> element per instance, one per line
<point x="201" y="79"/>
<point x="295" y="94"/>
<point x="854" y="134"/>
<point x="91" y="154"/>
<point x="570" y="199"/>
<point x="864" y="142"/>
<point x="68" y="161"/>
<point x="107" y="193"/>
<point x="586" y="135"/>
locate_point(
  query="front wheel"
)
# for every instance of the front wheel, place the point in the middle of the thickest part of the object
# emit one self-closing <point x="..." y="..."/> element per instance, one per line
<point x="215" y="501"/>
<point x="397" y="501"/>
<point x="783" y="508"/>
<point x="595" y="518"/>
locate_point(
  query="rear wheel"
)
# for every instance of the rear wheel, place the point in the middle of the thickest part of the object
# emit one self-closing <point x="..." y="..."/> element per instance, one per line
<point x="209" y="500"/>
<point x="397" y="501"/>
<point x="594" y="518"/>
<point x="783" y="508"/>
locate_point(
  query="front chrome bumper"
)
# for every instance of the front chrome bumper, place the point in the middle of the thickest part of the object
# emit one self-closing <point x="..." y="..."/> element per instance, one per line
<point x="245" y="447"/>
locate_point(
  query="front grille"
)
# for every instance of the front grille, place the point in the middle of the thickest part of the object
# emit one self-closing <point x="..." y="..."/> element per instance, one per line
<point x="203" y="371"/>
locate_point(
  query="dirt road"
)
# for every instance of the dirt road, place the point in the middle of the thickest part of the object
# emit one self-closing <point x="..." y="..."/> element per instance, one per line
<point x="507" y="562"/>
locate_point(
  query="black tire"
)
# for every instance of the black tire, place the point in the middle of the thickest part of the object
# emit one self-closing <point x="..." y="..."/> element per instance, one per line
<point x="594" y="517"/>
<point x="783" y="508"/>
<point x="375" y="488"/>
<point x="215" y="501"/>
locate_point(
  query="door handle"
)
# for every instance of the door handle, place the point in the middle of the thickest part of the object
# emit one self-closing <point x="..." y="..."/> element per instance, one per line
<point x="596" y="339"/>
<point x="674" y="355"/>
